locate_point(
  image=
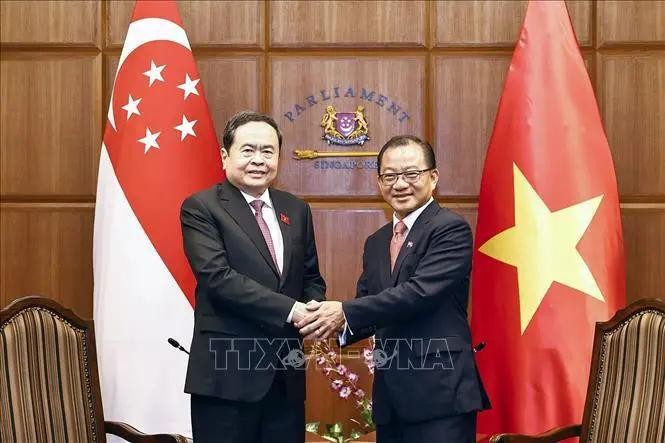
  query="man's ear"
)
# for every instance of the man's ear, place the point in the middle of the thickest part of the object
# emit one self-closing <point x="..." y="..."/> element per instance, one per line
<point x="434" y="173"/>
<point x="225" y="155"/>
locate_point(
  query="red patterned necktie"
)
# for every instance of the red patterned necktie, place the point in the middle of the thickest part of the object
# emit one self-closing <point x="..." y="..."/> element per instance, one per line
<point x="396" y="242"/>
<point x="257" y="205"/>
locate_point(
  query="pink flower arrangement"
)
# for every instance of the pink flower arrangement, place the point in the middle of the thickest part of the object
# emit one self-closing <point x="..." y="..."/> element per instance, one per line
<point x="368" y="355"/>
<point x="345" y="382"/>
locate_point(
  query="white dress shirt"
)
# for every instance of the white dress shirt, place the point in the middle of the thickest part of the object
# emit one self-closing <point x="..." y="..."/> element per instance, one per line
<point x="270" y="216"/>
<point x="409" y="221"/>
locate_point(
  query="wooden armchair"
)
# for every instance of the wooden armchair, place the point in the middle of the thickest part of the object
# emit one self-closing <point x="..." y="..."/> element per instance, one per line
<point x="625" y="399"/>
<point x="49" y="385"/>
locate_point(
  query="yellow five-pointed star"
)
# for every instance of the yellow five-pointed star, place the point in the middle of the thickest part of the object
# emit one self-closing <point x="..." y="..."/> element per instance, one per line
<point x="542" y="245"/>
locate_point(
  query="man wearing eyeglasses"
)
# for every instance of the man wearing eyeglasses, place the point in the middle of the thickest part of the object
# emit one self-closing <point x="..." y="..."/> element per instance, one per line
<point x="413" y="295"/>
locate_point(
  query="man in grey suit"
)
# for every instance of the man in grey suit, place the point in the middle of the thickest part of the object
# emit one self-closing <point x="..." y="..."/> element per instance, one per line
<point x="253" y="253"/>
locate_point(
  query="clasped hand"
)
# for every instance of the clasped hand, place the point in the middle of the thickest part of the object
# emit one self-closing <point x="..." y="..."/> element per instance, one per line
<point x="318" y="320"/>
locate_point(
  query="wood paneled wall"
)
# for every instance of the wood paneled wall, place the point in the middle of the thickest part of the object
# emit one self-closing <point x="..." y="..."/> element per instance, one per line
<point x="441" y="62"/>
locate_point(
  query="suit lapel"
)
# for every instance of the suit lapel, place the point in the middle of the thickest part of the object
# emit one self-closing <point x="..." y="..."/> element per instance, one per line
<point x="236" y="206"/>
<point x="281" y="210"/>
<point x="413" y="237"/>
<point x="383" y="257"/>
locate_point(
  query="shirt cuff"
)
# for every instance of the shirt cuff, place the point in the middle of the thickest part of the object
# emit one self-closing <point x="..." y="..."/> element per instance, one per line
<point x="343" y="336"/>
<point x="346" y="325"/>
<point x="293" y="309"/>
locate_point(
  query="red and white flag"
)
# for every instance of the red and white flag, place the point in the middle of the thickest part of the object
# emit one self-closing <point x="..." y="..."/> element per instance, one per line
<point x="159" y="147"/>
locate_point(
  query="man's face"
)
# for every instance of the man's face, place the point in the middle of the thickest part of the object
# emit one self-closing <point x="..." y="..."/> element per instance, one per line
<point x="251" y="161"/>
<point x="402" y="196"/>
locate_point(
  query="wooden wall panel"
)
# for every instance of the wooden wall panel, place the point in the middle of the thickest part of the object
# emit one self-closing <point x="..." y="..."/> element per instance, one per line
<point x="296" y="78"/>
<point x="207" y="23"/>
<point x="51" y="110"/>
<point x="231" y="84"/>
<point x="466" y="95"/>
<point x="110" y="68"/>
<point x="47" y="250"/>
<point x="495" y="23"/>
<point x="631" y="22"/>
<point x="631" y="96"/>
<point x="467" y="210"/>
<point x="347" y="23"/>
<point x="51" y="22"/>
<point x="340" y="237"/>
<point x="644" y="245"/>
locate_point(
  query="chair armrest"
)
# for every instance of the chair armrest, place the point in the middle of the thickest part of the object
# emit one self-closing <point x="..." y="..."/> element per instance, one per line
<point x="126" y="432"/>
<point x="551" y="436"/>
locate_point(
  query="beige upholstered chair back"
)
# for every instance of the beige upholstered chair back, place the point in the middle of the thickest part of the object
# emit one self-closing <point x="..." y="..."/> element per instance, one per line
<point x="626" y="399"/>
<point x="47" y="378"/>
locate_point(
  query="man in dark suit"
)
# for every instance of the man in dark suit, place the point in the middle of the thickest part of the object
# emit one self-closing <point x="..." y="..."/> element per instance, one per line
<point x="253" y="254"/>
<point x="413" y="295"/>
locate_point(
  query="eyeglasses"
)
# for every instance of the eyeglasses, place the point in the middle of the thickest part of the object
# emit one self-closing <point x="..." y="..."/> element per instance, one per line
<point x="391" y="178"/>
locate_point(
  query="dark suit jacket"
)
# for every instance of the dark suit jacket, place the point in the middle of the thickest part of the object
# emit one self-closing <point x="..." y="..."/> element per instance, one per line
<point x="421" y="303"/>
<point x="240" y="294"/>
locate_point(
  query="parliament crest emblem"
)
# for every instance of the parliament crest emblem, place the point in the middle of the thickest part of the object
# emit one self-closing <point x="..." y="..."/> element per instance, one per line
<point x="345" y="128"/>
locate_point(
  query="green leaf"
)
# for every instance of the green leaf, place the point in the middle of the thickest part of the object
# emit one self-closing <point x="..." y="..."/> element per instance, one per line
<point x="312" y="427"/>
<point x="335" y="429"/>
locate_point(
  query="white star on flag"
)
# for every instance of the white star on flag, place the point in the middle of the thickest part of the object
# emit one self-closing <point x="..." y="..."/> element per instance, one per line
<point x="132" y="106"/>
<point x="154" y="73"/>
<point x="186" y="128"/>
<point x="150" y="140"/>
<point x="189" y="86"/>
<point x="137" y="233"/>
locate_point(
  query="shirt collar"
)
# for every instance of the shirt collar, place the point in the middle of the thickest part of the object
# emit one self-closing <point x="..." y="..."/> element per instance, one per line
<point x="410" y="219"/>
<point x="265" y="197"/>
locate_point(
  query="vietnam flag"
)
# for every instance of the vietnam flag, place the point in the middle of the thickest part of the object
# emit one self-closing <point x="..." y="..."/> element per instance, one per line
<point x="548" y="258"/>
<point x="159" y="147"/>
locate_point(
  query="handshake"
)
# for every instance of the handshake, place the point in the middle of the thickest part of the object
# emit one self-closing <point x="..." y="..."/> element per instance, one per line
<point x="318" y="320"/>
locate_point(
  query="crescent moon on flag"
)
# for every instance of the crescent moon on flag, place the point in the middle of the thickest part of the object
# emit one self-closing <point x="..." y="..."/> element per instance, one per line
<point x="145" y="31"/>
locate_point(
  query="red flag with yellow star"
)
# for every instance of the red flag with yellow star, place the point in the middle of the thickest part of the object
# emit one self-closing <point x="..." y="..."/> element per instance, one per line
<point x="548" y="258"/>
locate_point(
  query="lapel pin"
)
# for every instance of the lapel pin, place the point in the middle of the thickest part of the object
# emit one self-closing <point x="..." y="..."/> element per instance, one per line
<point x="284" y="218"/>
<point x="409" y="244"/>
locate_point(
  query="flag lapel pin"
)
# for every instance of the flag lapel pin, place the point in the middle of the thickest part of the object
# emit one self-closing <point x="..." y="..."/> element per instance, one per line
<point x="284" y="218"/>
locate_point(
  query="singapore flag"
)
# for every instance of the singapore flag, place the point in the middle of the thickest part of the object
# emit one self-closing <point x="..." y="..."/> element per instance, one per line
<point x="159" y="147"/>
